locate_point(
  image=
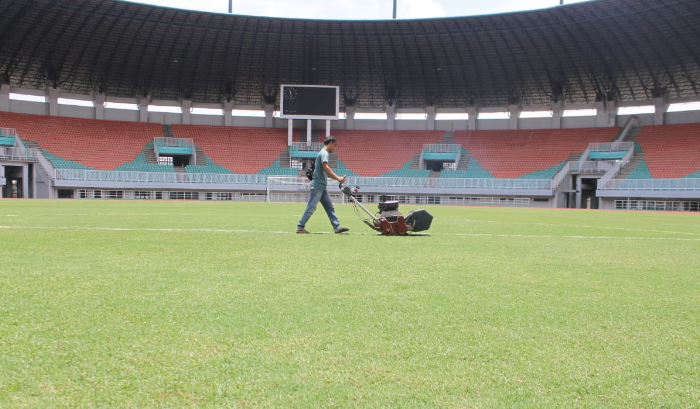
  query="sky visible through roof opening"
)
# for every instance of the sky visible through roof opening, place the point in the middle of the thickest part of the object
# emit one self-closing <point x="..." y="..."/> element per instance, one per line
<point x="360" y="9"/>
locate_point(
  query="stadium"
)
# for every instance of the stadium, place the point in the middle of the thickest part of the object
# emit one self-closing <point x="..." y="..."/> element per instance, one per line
<point x="162" y="270"/>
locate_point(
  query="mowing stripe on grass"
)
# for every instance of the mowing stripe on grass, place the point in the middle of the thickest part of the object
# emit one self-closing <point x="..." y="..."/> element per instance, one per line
<point x="544" y="236"/>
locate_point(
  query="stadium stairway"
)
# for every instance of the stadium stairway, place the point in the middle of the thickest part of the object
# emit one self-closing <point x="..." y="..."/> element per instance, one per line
<point x="168" y="131"/>
<point x="632" y="134"/>
<point x="150" y="154"/>
<point x="637" y="161"/>
<point x="201" y="158"/>
<point x="285" y="159"/>
<point x="415" y="162"/>
<point x="464" y="160"/>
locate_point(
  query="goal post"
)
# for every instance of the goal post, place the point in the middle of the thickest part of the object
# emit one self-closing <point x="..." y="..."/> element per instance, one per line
<point x="287" y="189"/>
<point x="295" y="189"/>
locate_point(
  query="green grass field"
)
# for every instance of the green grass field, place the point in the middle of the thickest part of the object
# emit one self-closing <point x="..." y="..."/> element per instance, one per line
<point x="115" y="304"/>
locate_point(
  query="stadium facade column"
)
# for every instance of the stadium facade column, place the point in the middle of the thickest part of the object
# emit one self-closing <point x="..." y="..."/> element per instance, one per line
<point x="514" y="111"/>
<point x="5" y="97"/>
<point x="607" y="113"/>
<point x="350" y="117"/>
<point x="99" y="101"/>
<point x="228" y="113"/>
<point x="186" y="111"/>
<point x="25" y="180"/>
<point x="557" y="112"/>
<point x="661" y="104"/>
<point x="473" y="112"/>
<point x="143" y="108"/>
<point x="430" y="113"/>
<point x="2" y="176"/>
<point x="269" y="112"/>
<point x="53" y="95"/>
<point x="390" y="117"/>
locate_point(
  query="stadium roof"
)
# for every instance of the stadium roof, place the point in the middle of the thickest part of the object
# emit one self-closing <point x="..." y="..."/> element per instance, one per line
<point x="626" y="49"/>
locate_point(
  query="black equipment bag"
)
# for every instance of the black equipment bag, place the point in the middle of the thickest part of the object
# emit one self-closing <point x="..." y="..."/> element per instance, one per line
<point x="310" y="171"/>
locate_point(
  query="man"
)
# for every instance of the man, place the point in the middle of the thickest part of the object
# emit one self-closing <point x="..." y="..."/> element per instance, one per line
<point x="322" y="171"/>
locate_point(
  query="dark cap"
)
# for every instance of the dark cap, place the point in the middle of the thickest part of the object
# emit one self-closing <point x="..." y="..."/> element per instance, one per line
<point x="329" y="139"/>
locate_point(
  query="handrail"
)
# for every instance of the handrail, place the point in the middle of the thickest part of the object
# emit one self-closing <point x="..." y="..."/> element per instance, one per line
<point x="592" y="166"/>
<point x="302" y="146"/>
<point x="683" y="184"/>
<point x="617" y="167"/>
<point x="20" y="144"/>
<point x="584" y="157"/>
<point x="45" y="163"/>
<point x="85" y="175"/>
<point x="89" y="175"/>
<point x="9" y="131"/>
<point x="15" y="153"/>
<point x="442" y="148"/>
<point x="632" y="121"/>
<point x="173" y="142"/>
<point x="561" y="175"/>
<point x="610" y="146"/>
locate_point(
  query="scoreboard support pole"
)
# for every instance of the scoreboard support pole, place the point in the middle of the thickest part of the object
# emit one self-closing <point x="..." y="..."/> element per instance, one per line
<point x="308" y="132"/>
<point x="290" y="131"/>
<point x="328" y="128"/>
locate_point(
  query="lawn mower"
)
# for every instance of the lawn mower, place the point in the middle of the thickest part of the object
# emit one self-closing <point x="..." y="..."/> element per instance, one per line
<point x="389" y="221"/>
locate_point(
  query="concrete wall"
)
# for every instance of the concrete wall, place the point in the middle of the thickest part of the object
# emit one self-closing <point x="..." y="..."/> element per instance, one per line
<point x="76" y="111"/>
<point x="578" y="122"/>
<point x="492" y="124"/>
<point x="682" y="117"/>
<point x="208" y="120"/>
<point x="534" y="123"/>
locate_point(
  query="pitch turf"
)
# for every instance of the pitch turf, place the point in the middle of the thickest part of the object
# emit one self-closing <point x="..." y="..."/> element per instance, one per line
<point x="121" y="304"/>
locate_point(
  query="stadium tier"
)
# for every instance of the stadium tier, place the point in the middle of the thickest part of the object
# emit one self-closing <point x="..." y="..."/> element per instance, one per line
<point x="528" y="153"/>
<point x="670" y="151"/>
<point x="238" y="149"/>
<point x="74" y="142"/>
<point x="373" y="153"/>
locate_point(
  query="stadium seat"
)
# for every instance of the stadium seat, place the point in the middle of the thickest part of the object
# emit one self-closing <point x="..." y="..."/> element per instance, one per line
<point x="96" y="144"/>
<point x="237" y="149"/>
<point x="521" y="153"/>
<point x="671" y="151"/>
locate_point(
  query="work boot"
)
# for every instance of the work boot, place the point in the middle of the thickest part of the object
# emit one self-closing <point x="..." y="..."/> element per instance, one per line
<point x="341" y="229"/>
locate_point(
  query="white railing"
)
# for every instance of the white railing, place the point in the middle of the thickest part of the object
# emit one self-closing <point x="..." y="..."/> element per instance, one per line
<point x="584" y="157"/>
<point x="686" y="184"/>
<point x="610" y="146"/>
<point x="15" y="153"/>
<point x="492" y="183"/>
<point x="562" y="174"/>
<point x="442" y="148"/>
<point x="45" y="164"/>
<point x="628" y="126"/>
<point x="302" y="146"/>
<point x="8" y="131"/>
<point x="173" y="142"/>
<point x="87" y="175"/>
<point x="592" y="166"/>
<point x="617" y="166"/>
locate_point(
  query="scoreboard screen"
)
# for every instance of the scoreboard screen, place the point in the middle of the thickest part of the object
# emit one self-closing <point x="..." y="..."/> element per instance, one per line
<point x="309" y="102"/>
